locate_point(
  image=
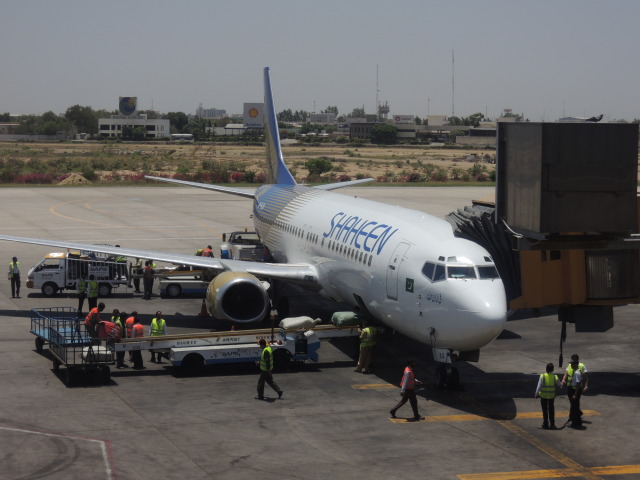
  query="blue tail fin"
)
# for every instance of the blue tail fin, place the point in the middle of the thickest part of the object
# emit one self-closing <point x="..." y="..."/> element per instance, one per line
<point x="277" y="171"/>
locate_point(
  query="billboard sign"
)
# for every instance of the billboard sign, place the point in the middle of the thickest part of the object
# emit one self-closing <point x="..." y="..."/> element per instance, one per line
<point x="128" y="105"/>
<point x="252" y="116"/>
<point x="404" y="119"/>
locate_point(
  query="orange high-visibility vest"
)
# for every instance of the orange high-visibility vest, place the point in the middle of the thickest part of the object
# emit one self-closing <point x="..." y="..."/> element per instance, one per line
<point x="411" y="379"/>
<point x="93" y="317"/>
<point x="138" y="330"/>
<point x="129" y="325"/>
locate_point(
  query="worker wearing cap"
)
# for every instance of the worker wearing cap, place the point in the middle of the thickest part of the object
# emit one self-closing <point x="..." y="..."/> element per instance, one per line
<point x="158" y="328"/>
<point x="266" y="369"/>
<point x="14" y="277"/>
<point x="546" y="390"/>
<point x="576" y="378"/>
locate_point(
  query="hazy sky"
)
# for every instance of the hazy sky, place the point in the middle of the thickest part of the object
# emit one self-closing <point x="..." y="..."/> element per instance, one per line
<point x="541" y="58"/>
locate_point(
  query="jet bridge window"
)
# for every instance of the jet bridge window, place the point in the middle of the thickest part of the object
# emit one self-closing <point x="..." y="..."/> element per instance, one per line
<point x="488" y="271"/>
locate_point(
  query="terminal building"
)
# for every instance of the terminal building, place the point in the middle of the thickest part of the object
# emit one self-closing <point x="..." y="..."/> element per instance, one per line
<point x="116" y="125"/>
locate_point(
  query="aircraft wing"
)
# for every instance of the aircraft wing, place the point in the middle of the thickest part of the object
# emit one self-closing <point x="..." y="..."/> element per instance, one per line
<point x="232" y="191"/>
<point x="333" y="186"/>
<point x="302" y="274"/>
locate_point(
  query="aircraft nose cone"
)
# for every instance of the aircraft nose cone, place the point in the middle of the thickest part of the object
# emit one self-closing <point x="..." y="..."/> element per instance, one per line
<point x="484" y="312"/>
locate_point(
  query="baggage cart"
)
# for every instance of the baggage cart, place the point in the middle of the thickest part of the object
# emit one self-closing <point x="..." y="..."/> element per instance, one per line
<point x="69" y="343"/>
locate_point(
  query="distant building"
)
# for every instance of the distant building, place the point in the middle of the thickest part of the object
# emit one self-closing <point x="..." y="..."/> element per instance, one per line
<point x="361" y="130"/>
<point x="155" y="128"/>
<point x="323" y="118"/>
<point x="210" y="112"/>
<point x="8" y="127"/>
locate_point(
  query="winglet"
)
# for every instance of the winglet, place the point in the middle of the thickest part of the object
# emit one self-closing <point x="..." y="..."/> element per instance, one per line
<point x="277" y="171"/>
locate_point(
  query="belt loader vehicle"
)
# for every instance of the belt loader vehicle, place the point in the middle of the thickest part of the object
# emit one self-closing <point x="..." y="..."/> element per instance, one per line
<point x="192" y="352"/>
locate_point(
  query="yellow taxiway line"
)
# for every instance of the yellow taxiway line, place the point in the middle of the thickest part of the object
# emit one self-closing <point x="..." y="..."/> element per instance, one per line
<point x="557" y="473"/>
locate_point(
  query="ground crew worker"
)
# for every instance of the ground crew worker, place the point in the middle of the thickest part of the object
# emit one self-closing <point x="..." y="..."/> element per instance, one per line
<point x="367" y="342"/>
<point x="137" y="331"/>
<point x="546" y="390"/>
<point x="408" y="391"/>
<point x="207" y="252"/>
<point x="137" y="270"/>
<point x="92" y="319"/>
<point x="576" y="378"/>
<point x="14" y="277"/>
<point x="148" y="279"/>
<point x="158" y="328"/>
<point x="199" y="252"/>
<point x="128" y="326"/>
<point x="81" y="289"/>
<point x="266" y="369"/>
<point x="92" y="292"/>
<point x="122" y="271"/>
<point x="129" y="322"/>
<point x="117" y="319"/>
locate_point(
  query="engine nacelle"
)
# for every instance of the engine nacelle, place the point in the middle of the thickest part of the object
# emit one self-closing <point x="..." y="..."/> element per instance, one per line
<point x="237" y="296"/>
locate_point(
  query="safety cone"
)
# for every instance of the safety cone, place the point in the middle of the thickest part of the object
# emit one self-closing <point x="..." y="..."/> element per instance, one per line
<point x="203" y="310"/>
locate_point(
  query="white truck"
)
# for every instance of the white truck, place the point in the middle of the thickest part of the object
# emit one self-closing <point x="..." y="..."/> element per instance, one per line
<point x="243" y="246"/>
<point x="61" y="271"/>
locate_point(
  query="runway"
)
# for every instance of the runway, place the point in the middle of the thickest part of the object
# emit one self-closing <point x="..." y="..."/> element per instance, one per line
<point x="331" y="421"/>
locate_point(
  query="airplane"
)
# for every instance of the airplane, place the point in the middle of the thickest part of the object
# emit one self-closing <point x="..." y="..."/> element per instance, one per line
<point x="403" y="267"/>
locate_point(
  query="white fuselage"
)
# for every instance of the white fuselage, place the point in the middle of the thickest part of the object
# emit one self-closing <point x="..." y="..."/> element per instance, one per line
<point x="375" y="255"/>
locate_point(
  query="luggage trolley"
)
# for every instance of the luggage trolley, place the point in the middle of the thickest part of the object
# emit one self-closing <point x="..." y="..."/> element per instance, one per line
<point x="69" y="343"/>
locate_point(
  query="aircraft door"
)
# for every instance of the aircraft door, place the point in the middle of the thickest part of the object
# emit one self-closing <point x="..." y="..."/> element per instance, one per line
<point x="393" y="270"/>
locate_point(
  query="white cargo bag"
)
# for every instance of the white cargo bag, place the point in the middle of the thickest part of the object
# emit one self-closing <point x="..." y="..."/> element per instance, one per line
<point x="96" y="354"/>
<point x="294" y="323"/>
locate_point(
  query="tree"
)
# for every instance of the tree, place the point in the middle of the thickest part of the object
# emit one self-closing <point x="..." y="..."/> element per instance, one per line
<point x="197" y="127"/>
<point x="333" y="110"/>
<point x="384" y="134"/>
<point x="5" y="117"/>
<point x="357" y="113"/>
<point x="177" y="120"/>
<point x="83" y="118"/>
<point x="318" y="166"/>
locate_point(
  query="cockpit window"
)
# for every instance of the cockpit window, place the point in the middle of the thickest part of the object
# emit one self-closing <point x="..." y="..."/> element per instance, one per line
<point x="488" y="271"/>
<point x="428" y="269"/>
<point x="461" y="272"/>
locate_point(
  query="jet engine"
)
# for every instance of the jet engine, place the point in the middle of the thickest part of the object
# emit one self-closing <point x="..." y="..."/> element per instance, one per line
<point x="237" y="296"/>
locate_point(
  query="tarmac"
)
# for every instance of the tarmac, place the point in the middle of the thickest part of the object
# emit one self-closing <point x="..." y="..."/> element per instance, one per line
<point x="331" y="422"/>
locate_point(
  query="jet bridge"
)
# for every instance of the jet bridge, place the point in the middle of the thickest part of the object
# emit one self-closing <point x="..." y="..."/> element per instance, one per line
<point x="563" y="229"/>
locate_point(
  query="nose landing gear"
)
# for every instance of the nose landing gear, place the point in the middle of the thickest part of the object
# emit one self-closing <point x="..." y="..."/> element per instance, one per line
<point x="447" y="377"/>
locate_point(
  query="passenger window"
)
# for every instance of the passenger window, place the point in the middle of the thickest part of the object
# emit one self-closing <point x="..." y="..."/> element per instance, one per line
<point x="461" y="272"/>
<point x="440" y="273"/>
<point x="428" y="269"/>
